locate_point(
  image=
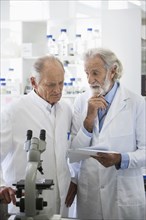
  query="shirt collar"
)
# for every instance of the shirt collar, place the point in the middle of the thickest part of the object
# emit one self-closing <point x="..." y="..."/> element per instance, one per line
<point x="110" y="95"/>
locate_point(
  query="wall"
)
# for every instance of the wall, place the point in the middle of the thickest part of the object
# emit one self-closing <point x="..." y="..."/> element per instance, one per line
<point x="121" y="31"/>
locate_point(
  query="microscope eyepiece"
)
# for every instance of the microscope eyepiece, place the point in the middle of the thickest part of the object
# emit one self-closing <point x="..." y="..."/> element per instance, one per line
<point x="29" y="134"/>
<point x="43" y="135"/>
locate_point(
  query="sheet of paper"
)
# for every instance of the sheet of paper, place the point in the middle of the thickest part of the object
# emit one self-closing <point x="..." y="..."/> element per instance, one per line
<point x="76" y="155"/>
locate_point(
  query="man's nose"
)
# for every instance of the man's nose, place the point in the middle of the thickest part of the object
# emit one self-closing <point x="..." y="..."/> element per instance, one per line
<point x="91" y="79"/>
<point x="57" y="88"/>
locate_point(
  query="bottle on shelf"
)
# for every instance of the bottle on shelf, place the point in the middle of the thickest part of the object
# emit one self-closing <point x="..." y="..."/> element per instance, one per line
<point x="97" y="38"/>
<point x="63" y="43"/>
<point x="78" y="45"/>
<point x="73" y="84"/>
<point x="2" y="86"/>
<point x="12" y="83"/>
<point x="55" y="48"/>
<point x="89" y="40"/>
<point x="50" y="45"/>
<point x="71" y="49"/>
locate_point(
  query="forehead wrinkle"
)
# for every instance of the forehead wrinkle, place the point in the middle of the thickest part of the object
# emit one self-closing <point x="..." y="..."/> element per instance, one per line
<point x="94" y="63"/>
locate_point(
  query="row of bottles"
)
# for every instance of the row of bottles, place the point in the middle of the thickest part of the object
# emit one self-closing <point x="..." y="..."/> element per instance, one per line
<point x="63" y="47"/>
<point x="73" y="87"/>
<point x="75" y="79"/>
<point x="9" y="84"/>
<point x="69" y="51"/>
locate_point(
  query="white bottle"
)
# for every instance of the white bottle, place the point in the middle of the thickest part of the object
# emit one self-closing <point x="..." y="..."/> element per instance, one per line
<point x="12" y="82"/>
<point x="50" y="45"/>
<point x="89" y="41"/>
<point x="78" y="45"/>
<point x="63" y="43"/>
<point x="97" y="38"/>
<point x="71" y="49"/>
<point x="55" y="47"/>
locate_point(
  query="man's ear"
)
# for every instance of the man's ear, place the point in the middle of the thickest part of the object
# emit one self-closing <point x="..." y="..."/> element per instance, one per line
<point x="113" y="71"/>
<point x="33" y="82"/>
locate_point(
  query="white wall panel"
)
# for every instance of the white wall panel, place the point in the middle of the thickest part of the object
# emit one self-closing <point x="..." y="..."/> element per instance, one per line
<point x="121" y="32"/>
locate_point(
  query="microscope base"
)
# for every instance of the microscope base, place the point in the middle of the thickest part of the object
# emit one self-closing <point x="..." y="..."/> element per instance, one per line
<point x="37" y="217"/>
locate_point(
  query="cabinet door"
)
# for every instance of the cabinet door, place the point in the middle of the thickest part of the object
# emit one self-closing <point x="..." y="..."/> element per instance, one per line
<point x="34" y="44"/>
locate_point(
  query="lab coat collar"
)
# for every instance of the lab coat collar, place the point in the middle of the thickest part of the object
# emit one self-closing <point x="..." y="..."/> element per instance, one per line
<point x="110" y="95"/>
<point x="42" y="103"/>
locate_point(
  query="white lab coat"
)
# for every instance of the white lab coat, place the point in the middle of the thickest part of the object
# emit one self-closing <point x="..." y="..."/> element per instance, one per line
<point x="107" y="193"/>
<point x="30" y="112"/>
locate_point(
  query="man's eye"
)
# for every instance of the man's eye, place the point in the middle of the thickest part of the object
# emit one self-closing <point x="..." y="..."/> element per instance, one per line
<point x="61" y="83"/>
<point x="95" y="72"/>
<point x="50" y="85"/>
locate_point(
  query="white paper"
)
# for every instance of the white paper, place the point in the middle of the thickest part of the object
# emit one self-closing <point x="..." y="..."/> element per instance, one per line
<point x="76" y="155"/>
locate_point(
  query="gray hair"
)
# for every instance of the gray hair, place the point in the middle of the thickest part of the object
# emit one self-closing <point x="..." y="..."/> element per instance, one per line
<point x="108" y="57"/>
<point x="39" y="65"/>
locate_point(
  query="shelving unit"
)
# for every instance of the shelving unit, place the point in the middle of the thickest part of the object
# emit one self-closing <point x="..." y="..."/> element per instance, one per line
<point x="11" y="62"/>
<point x="34" y="45"/>
<point x="33" y="42"/>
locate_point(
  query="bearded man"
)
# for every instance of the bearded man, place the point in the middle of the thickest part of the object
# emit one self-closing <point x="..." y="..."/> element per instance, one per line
<point x="109" y="185"/>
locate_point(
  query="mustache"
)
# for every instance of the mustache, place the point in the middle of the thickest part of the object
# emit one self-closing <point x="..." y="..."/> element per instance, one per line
<point x="95" y="85"/>
<point x="96" y="89"/>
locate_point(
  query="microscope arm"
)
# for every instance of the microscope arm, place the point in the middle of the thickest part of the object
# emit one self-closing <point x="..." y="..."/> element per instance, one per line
<point x="30" y="189"/>
<point x="33" y="158"/>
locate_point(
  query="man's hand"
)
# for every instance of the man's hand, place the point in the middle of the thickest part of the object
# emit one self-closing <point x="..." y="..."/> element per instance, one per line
<point x="72" y="191"/>
<point x="7" y="195"/>
<point x="108" y="159"/>
<point x="94" y="103"/>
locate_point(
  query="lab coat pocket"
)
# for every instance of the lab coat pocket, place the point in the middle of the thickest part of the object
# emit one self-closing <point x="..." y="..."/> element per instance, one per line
<point x="130" y="190"/>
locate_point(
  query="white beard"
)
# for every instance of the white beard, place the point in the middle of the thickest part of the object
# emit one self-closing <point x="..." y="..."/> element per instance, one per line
<point x="98" y="89"/>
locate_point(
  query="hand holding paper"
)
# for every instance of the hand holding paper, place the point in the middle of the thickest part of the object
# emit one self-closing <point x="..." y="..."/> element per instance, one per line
<point x="76" y="155"/>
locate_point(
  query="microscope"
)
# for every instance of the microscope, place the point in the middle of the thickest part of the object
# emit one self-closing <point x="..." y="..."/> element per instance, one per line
<point x="30" y="204"/>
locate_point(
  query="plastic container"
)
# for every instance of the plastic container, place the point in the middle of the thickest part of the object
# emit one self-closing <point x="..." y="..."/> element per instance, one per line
<point x="55" y="47"/>
<point x="12" y="83"/>
<point x="50" y="45"/>
<point x="78" y="45"/>
<point x="97" y="38"/>
<point x="63" y="43"/>
<point x="89" y="41"/>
